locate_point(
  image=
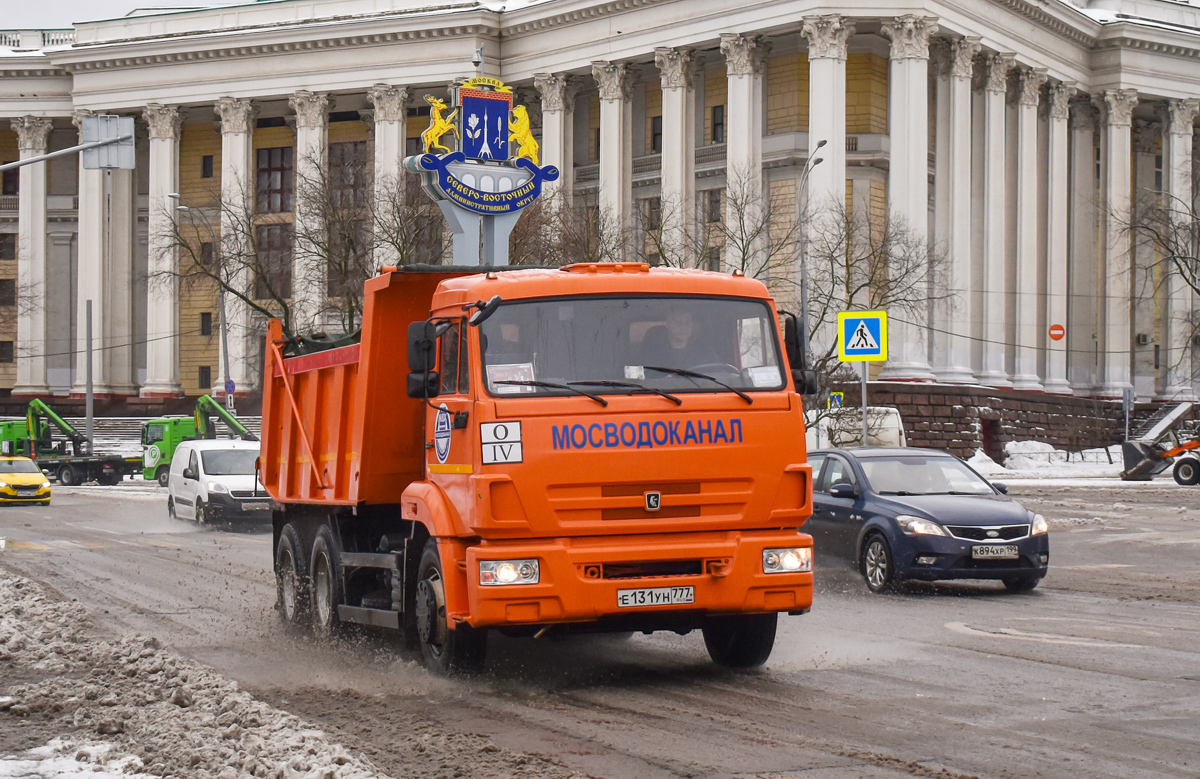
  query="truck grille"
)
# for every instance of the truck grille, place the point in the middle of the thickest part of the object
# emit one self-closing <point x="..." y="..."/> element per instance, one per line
<point x="585" y="503"/>
<point x="645" y="570"/>
<point x="982" y="533"/>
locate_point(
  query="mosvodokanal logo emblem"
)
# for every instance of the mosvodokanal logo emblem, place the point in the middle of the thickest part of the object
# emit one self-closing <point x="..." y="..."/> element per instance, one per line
<point x="441" y="434"/>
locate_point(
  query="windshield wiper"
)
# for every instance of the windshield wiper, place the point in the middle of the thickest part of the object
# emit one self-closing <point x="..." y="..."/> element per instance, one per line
<point x="629" y="384"/>
<point x="694" y="375"/>
<point x="902" y="492"/>
<point x="553" y="385"/>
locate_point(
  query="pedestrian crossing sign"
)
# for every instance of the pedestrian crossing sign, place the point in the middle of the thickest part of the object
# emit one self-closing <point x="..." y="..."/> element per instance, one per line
<point x="862" y="336"/>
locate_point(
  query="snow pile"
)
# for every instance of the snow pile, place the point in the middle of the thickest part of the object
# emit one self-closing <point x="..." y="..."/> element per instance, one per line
<point x="88" y="761"/>
<point x="984" y="464"/>
<point x="1039" y="460"/>
<point x="157" y="713"/>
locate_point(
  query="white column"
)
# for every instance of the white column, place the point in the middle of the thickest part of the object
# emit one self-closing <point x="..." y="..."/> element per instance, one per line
<point x="390" y="136"/>
<point x="908" y="178"/>
<point x="745" y="61"/>
<point x="1030" y="81"/>
<point x="995" y="228"/>
<point x="162" y="287"/>
<point x="677" y="70"/>
<point x="827" y="37"/>
<point x="237" y="205"/>
<point x="1149" y="284"/>
<point x="105" y="276"/>
<point x="1178" y="117"/>
<point x="33" y="133"/>
<point x="1083" y="315"/>
<point x="952" y="346"/>
<point x="1116" y="107"/>
<point x="558" y="129"/>
<point x="1057" y="223"/>
<point x="615" y="80"/>
<point x="310" y="268"/>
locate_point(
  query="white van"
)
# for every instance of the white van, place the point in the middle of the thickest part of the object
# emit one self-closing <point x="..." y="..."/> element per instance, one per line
<point x="214" y="480"/>
<point x="840" y="427"/>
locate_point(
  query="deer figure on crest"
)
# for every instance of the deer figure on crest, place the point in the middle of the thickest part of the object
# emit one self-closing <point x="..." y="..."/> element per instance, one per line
<point x="438" y="125"/>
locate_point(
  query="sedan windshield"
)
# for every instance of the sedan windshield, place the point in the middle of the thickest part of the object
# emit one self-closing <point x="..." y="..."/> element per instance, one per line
<point x="229" y="462"/>
<point x="20" y="466"/>
<point x="922" y="475"/>
<point x="623" y="345"/>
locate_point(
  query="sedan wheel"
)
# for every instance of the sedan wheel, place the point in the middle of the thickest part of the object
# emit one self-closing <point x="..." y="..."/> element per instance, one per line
<point x="877" y="566"/>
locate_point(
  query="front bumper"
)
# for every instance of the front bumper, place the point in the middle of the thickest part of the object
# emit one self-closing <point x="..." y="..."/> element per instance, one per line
<point x="224" y="505"/>
<point x="576" y="585"/>
<point x="953" y="558"/>
<point x="24" y="495"/>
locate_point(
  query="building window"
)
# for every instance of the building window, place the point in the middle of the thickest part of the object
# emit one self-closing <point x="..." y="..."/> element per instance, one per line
<point x="205" y="377"/>
<point x="1158" y="173"/>
<point x="205" y="323"/>
<point x="656" y="135"/>
<point x="655" y="259"/>
<point x="653" y="213"/>
<point x="712" y="206"/>
<point x="718" y="124"/>
<point x="596" y="145"/>
<point x="1098" y="168"/>
<point x="347" y="174"/>
<point x="349" y="265"/>
<point x="274" y="256"/>
<point x="8" y="246"/>
<point x="12" y="182"/>
<point x="206" y="254"/>
<point x="712" y="261"/>
<point x="8" y="292"/>
<point x="206" y="166"/>
<point x="6" y="351"/>
<point x="413" y="146"/>
<point x="274" y="180"/>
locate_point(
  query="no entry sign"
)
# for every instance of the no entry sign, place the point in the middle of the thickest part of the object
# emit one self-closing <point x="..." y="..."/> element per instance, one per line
<point x="1057" y="332"/>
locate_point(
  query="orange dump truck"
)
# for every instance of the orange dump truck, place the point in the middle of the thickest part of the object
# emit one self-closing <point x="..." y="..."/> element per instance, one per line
<point x="603" y="447"/>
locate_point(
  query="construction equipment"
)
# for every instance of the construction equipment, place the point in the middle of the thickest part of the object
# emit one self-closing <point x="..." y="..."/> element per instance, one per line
<point x="162" y="436"/>
<point x="69" y="460"/>
<point x="1157" y="443"/>
<point x="549" y="459"/>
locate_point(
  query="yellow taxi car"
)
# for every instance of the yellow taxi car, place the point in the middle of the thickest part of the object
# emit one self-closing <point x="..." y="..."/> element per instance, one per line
<point x="22" y="481"/>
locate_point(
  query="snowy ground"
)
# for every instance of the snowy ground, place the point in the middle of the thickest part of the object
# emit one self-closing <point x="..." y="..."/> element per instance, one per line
<point x="1041" y="461"/>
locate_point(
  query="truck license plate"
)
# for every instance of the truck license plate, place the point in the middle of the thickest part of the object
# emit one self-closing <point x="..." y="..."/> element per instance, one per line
<point x="655" y="596"/>
<point x="995" y="552"/>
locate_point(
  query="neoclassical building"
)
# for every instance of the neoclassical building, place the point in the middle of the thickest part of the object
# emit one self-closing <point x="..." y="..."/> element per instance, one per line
<point x="1016" y="134"/>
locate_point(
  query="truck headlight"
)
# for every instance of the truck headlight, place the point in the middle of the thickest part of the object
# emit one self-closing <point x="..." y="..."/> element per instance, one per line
<point x="1039" y="526"/>
<point x="216" y="486"/>
<point x="494" y="573"/>
<point x="791" y="560"/>
<point x="919" y="526"/>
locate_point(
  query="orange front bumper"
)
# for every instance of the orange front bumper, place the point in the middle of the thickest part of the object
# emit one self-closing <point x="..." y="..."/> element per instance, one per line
<point x="572" y="589"/>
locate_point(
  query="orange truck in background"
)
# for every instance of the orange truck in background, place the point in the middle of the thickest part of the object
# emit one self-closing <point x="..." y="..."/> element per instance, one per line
<point x="595" y="448"/>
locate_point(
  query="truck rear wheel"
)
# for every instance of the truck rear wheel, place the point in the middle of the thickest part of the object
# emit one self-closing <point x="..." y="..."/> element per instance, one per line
<point x="446" y="651"/>
<point x="67" y="476"/>
<point x="291" y="580"/>
<point x="326" y="572"/>
<point x="740" y="641"/>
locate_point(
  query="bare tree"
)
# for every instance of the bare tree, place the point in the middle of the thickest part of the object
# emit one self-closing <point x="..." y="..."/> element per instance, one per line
<point x="554" y="231"/>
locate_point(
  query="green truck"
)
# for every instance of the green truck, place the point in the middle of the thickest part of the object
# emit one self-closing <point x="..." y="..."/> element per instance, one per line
<point x="69" y="460"/>
<point x="160" y="437"/>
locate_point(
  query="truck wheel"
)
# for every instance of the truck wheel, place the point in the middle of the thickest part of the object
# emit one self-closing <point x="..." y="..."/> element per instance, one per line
<point x="291" y="580"/>
<point x="1187" y="471"/>
<point x="446" y="652"/>
<point x="67" y="476"/>
<point x="326" y="584"/>
<point x="741" y="641"/>
<point x="109" y="479"/>
<point x="162" y="475"/>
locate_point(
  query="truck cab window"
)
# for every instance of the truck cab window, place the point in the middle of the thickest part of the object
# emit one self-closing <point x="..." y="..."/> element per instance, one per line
<point x="154" y="434"/>
<point x="449" y="361"/>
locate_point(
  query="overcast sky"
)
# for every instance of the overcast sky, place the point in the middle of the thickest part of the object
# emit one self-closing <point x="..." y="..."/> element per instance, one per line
<point x="23" y="14"/>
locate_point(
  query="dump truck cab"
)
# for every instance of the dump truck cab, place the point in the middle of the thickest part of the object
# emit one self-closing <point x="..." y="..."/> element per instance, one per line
<point x="602" y="447"/>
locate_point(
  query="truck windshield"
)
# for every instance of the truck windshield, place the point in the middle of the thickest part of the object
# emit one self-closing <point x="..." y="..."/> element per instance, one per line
<point x="618" y="345"/>
<point x="229" y="462"/>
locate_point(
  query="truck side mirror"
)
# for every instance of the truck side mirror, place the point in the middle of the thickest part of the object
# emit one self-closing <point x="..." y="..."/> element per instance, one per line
<point x="807" y="381"/>
<point x="424" y="384"/>
<point x="422" y="346"/>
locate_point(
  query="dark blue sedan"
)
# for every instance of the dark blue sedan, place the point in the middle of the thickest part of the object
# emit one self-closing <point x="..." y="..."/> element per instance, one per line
<point x="922" y="514"/>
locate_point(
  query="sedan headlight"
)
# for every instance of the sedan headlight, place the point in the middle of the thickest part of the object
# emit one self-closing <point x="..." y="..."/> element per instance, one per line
<point x="919" y="526"/>
<point x="494" y="573"/>
<point x="1039" y="526"/>
<point x="45" y="485"/>
<point x="3" y="484"/>
<point x="216" y="486"/>
<point x="790" y="560"/>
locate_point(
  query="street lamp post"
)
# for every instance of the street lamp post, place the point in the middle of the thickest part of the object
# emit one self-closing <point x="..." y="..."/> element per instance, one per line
<point x="813" y="161"/>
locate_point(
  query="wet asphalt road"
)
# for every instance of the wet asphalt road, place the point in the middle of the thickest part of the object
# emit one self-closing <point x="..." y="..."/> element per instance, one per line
<point x="1096" y="673"/>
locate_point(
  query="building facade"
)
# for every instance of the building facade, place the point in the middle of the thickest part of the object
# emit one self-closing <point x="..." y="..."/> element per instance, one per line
<point x="1016" y="136"/>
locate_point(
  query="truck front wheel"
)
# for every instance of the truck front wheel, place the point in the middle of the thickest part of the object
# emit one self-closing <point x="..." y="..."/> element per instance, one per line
<point x="291" y="580"/>
<point x="741" y="641"/>
<point x="326" y="584"/>
<point x="445" y="651"/>
<point x="1187" y="471"/>
<point x="162" y="475"/>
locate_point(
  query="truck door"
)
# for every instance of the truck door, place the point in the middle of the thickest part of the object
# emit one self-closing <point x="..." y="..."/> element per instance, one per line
<point x="451" y="458"/>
